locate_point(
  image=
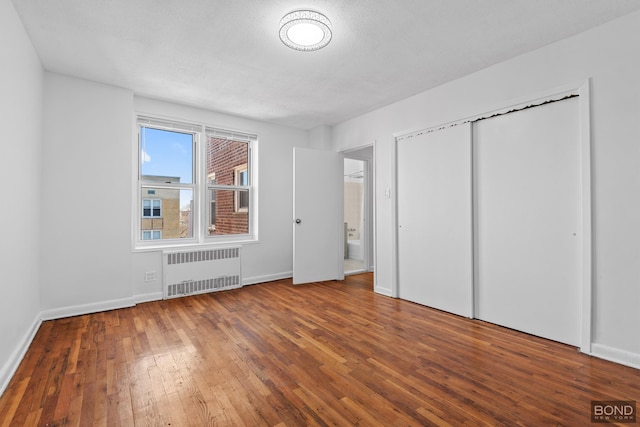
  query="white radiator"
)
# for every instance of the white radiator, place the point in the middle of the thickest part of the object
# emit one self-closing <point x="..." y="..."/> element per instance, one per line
<point x="201" y="271"/>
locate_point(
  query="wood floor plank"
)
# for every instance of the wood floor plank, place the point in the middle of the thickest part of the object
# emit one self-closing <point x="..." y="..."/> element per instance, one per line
<point x="274" y="354"/>
<point x="9" y="404"/>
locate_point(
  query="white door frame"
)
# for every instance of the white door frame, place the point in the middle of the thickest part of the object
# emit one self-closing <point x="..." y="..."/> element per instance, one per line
<point x="580" y="88"/>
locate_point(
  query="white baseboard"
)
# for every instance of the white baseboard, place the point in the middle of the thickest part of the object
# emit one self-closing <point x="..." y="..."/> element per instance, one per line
<point x="616" y="355"/>
<point x="9" y="369"/>
<point x="77" y="310"/>
<point x="153" y="296"/>
<point x="266" y="278"/>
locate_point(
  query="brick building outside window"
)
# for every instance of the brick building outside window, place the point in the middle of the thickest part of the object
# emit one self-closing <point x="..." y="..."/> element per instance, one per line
<point x="227" y="165"/>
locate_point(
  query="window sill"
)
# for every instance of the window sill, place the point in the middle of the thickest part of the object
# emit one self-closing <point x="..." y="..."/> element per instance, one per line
<point x="194" y="245"/>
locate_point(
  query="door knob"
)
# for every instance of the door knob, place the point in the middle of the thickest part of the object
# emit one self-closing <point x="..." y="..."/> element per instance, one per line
<point x="298" y="220"/>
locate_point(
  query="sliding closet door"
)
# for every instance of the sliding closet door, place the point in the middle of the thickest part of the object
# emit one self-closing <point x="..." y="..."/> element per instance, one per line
<point x="434" y="218"/>
<point x="528" y="221"/>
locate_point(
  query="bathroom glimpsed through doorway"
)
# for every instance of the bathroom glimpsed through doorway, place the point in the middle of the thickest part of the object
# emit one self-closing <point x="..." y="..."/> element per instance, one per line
<point x="358" y="211"/>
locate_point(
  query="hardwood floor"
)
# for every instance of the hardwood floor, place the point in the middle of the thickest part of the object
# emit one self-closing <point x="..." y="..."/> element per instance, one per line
<point x="321" y="354"/>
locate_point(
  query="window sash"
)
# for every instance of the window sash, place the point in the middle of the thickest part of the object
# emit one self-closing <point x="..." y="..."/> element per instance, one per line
<point x="222" y="206"/>
<point x="169" y="126"/>
<point x="230" y="135"/>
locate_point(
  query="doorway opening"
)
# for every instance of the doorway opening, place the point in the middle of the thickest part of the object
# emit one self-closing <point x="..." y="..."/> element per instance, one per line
<point x="358" y="211"/>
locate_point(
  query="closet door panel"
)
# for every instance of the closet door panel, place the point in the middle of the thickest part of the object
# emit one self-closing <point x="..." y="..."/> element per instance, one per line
<point x="434" y="217"/>
<point x="528" y="220"/>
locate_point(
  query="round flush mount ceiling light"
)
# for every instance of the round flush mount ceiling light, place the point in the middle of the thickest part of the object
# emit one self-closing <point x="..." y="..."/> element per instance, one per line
<point x="305" y="30"/>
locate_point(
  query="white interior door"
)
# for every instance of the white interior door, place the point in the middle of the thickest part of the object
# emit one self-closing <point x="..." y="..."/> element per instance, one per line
<point x="435" y="247"/>
<point x="318" y="228"/>
<point x="528" y="220"/>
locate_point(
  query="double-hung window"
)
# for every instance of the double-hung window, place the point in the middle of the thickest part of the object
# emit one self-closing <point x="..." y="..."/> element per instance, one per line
<point x="195" y="184"/>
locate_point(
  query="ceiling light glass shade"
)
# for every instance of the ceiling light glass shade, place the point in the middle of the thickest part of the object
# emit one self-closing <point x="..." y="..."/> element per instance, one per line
<point x="305" y="30"/>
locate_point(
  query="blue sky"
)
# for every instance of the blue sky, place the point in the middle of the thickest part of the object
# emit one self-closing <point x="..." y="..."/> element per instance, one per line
<point x="167" y="153"/>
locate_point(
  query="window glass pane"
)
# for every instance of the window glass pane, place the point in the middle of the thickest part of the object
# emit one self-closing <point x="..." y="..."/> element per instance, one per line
<point x="243" y="177"/>
<point x="174" y="219"/>
<point x="166" y="156"/>
<point x="224" y="158"/>
<point x="243" y="200"/>
<point x="224" y="216"/>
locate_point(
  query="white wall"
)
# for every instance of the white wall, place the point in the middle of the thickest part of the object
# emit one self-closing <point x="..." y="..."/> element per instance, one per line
<point x="85" y="236"/>
<point x="607" y="55"/>
<point x="271" y="258"/>
<point x="21" y="81"/>
<point x="320" y="137"/>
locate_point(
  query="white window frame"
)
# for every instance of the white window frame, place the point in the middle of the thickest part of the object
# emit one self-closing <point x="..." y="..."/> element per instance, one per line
<point x="200" y="187"/>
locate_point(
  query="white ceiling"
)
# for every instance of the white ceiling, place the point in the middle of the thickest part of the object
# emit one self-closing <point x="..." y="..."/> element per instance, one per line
<point x="225" y="55"/>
